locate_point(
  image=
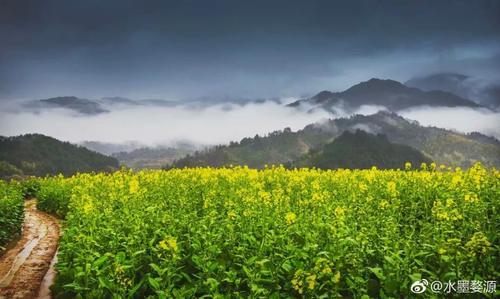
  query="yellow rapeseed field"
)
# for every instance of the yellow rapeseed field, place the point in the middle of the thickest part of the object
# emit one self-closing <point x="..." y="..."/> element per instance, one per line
<point x="240" y="232"/>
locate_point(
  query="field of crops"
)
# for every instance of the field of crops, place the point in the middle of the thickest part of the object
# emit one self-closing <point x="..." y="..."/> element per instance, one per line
<point x="11" y="211"/>
<point x="272" y="233"/>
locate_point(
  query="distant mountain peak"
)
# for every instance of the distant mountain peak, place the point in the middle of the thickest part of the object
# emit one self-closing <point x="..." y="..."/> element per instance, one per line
<point x="377" y="85"/>
<point x="82" y="106"/>
<point x="62" y="99"/>
<point x="382" y="81"/>
<point x="482" y="91"/>
<point x="391" y="94"/>
<point x="323" y="96"/>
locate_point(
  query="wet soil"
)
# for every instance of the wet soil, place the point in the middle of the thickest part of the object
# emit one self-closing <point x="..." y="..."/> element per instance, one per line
<point x="26" y="268"/>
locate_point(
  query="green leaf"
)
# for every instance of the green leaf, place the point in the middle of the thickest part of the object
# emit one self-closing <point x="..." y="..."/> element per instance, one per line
<point x="415" y="276"/>
<point x="390" y="260"/>
<point x="157" y="269"/>
<point x="97" y="263"/>
<point x="105" y="283"/>
<point x="287" y="266"/>
<point x="378" y="272"/>
<point x="154" y="283"/>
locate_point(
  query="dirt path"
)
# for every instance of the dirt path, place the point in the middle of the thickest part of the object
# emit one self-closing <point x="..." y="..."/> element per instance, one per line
<point x="26" y="269"/>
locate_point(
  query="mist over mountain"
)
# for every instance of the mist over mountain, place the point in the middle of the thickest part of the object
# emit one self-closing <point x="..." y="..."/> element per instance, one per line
<point x="280" y="147"/>
<point x="87" y="107"/>
<point x="81" y="106"/>
<point x="108" y="148"/>
<point x="154" y="157"/>
<point x="451" y="82"/>
<point x="113" y="125"/>
<point x="481" y="91"/>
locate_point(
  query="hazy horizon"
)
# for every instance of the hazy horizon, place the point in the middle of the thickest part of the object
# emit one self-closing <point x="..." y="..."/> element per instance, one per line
<point x="216" y="124"/>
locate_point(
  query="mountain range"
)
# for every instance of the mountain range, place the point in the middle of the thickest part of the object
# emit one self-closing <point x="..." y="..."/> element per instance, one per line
<point x="326" y="142"/>
<point x="280" y="147"/>
<point x="483" y="92"/>
<point x="82" y="106"/>
<point x="86" y="107"/>
<point x="91" y="107"/>
<point x="390" y="94"/>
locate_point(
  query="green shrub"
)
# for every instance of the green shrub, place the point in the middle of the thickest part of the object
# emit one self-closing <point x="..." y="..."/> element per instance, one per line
<point x="53" y="195"/>
<point x="30" y="187"/>
<point x="11" y="211"/>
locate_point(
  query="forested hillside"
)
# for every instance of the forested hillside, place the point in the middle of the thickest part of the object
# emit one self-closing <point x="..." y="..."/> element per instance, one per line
<point x="361" y="150"/>
<point x="39" y="155"/>
<point x="440" y="145"/>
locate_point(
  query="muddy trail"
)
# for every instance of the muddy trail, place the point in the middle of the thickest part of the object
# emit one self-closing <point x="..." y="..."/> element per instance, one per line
<point x="27" y="267"/>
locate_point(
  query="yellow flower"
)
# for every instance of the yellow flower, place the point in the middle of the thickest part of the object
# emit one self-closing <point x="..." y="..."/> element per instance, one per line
<point x="290" y="217"/>
<point x="471" y="198"/>
<point x="88" y="207"/>
<point x="336" y="277"/>
<point x="384" y="204"/>
<point x="339" y="211"/>
<point x="169" y="244"/>
<point x="443" y="215"/>
<point x="265" y="196"/>
<point x="407" y="165"/>
<point x="311" y="281"/>
<point x="297" y="282"/>
<point x="134" y="186"/>
<point x="449" y="202"/>
<point x="456" y="179"/>
<point x="478" y="244"/>
<point x="391" y="189"/>
<point x="297" y="285"/>
<point x="231" y="215"/>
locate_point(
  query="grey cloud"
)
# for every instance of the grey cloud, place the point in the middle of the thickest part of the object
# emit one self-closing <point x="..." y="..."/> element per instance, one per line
<point x="182" y="49"/>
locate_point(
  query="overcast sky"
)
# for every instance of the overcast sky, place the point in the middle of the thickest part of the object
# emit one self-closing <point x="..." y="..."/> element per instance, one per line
<point x="187" y="49"/>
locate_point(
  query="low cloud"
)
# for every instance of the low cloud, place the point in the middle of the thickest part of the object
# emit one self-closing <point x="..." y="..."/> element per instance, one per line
<point x="214" y="124"/>
<point x="462" y="119"/>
